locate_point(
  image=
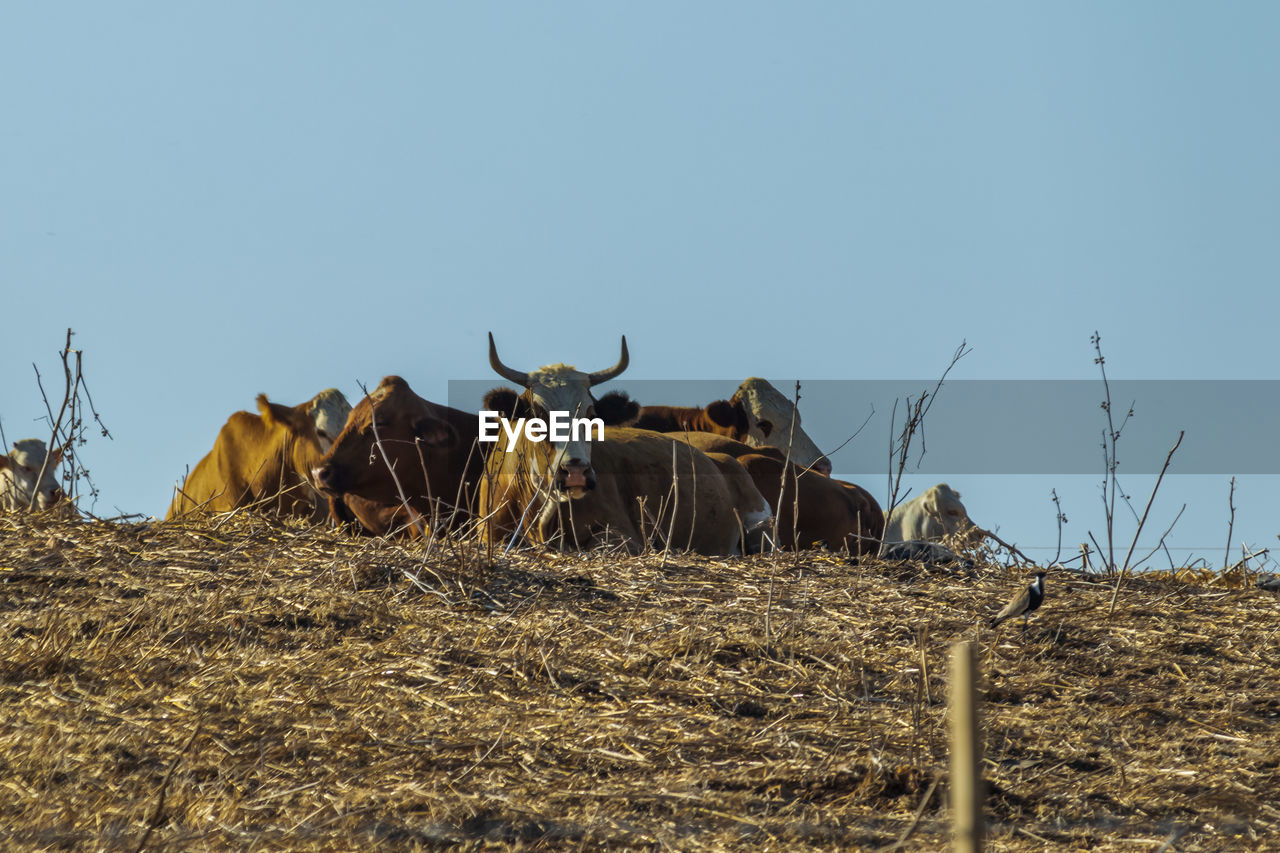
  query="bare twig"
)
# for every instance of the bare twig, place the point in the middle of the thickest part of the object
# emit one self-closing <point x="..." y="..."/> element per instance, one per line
<point x="1138" y="532"/>
<point x="1160" y="544"/>
<point x="856" y="433"/>
<point x="415" y="518"/>
<point x="1012" y="549"/>
<point x="154" y="820"/>
<point x="915" y="820"/>
<point x="1110" y="437"/>
<point x="1151" y="499"/>
<point x="1231" y="523"/>
<point x="900" y="451"/>
<point x="67" y="428"/>
<point x="1062" y="519"/>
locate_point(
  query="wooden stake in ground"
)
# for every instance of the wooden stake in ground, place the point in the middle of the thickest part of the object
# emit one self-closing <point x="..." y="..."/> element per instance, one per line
<point x="966" y="751"/>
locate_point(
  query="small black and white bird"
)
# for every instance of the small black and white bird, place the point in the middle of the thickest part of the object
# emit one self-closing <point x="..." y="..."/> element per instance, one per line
<point x="1025" y="602"/>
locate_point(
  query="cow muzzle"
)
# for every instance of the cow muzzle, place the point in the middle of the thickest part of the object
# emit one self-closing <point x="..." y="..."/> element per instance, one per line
<point x="574" y="478"/>
<point x="325" y="479"/>
<point x="821" y="466"/>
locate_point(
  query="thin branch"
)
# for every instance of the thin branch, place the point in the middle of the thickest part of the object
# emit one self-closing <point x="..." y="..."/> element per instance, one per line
<point x="1138" y="532"/>
<point x="154" y="820"/>
<point x="914" y="423"/>
<point x="1231" y="504"/>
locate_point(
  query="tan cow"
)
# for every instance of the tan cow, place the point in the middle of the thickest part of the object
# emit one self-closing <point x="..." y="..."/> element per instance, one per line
<point x="632" y="484"/>
<point x="931" y="516"/>
<point x="264" y="460"/>
<point x="20" y="469"/>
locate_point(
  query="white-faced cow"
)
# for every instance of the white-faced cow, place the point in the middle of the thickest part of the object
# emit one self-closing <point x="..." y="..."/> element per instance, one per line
<point x="931" y="516"/>
<point x="758" y="414"/>
<point x="264" y="460"/>
<point x="21" y="469"/>
<point x="632" y="484"/>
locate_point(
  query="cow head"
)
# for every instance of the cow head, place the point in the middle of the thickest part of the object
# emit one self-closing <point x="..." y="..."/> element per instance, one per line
<point x="732" y="418"/>
<point x="771" y="416"/>
<point x="555" y="388"/>
<point x="617" y="409"/>
<point x="329" y="410"/>
<point x="19" y="472"/>
<point x="384" y="431"/>
<point x="303" y="445"/>
<point x="942" y="504"/>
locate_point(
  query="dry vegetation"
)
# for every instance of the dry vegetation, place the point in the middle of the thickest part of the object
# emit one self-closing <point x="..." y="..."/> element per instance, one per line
<point x="243" y="683"/>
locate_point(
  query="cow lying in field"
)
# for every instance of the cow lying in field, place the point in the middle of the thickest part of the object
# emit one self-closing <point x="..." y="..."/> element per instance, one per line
<point x="633" y="484"/>
<point x="402" y="463"/>
<point x="20" y="470"/>
<point x="264" y="460"/>
<point x="931" y="516"/>
<point x="830" y="513"/>
<point x="431" y="449"/>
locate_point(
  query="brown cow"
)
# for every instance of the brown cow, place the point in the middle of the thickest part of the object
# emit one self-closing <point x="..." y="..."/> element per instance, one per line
<point x="721" y="418"/>
<point x="263" y="460"/>
<point x="753" y="510"/>
<point x="757" y="414"/>
<point x="406" y="460"/>
<point x="832" y="512"/>
<point x="632" y="483"/>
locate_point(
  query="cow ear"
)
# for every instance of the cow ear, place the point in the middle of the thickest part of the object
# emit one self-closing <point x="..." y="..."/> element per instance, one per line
<point x="434" y="432"/>
<point x="504" y="401"/>
<point x="55" y="459"/>
<point x="929" y="500"/>
<point x="617" y="409"/>
<point x="274" y="414"/>
<point x="722" y="413"/>
<point x="766" y="427"/>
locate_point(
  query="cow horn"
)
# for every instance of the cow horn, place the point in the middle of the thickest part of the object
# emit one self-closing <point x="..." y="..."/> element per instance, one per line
<point x="521" y="379"/>
<point x="606" y="375"/>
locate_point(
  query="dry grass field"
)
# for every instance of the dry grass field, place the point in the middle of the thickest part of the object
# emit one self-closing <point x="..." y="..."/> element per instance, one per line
<point x="238" y="683"/>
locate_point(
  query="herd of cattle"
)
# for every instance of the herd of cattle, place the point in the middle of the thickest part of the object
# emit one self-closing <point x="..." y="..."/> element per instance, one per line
<point x="728" y="478"/>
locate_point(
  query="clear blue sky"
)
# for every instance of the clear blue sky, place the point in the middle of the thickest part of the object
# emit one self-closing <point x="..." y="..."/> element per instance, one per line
<point x="233" y="198"/>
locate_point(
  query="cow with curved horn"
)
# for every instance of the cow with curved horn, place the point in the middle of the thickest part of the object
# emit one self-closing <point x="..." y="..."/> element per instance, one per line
<point x="562" y="388"/>
<point x="627" y="482"/>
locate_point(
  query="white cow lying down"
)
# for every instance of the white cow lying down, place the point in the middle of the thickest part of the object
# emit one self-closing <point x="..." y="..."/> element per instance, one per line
<point x="19" y="469"/>
<point x="929" y="517"/>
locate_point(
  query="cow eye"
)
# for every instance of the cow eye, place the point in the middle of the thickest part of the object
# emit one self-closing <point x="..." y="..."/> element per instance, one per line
<point x="766" y="427"/>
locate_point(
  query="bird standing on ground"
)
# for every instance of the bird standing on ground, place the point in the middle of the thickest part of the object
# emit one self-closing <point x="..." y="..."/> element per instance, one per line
<point x="1025" y="602"/>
